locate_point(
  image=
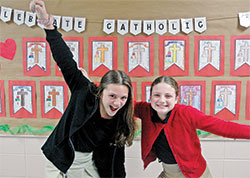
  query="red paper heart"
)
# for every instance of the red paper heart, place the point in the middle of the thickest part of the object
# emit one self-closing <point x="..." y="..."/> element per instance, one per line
<point x="8" y="49"/>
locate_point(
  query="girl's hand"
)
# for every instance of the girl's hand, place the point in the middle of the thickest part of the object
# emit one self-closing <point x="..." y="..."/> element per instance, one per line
<point x="38" y="7"/>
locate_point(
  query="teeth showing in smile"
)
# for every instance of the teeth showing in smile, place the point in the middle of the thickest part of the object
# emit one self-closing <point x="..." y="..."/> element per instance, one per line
<point x="113" y="109"/>
<point x="161" y="106"/>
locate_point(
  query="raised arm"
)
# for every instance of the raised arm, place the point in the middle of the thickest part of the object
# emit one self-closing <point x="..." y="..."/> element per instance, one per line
<point x="60" y="51"/>
<point x="38" y="6"/>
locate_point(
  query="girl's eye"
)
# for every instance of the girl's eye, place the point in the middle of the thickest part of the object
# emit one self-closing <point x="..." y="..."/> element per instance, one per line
<point x="124" y="98"/>
<point x="112" y="96"/>
<point x="168" y="96"/>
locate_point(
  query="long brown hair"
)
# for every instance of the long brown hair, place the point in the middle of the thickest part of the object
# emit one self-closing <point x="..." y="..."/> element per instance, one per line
<point x="126" y="124"/>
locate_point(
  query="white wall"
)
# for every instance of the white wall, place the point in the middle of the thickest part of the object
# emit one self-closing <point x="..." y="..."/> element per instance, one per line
<point x="20" y="157"/>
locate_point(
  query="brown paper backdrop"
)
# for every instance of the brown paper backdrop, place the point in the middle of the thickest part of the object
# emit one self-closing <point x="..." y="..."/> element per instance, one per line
<point x="221" y="17"/>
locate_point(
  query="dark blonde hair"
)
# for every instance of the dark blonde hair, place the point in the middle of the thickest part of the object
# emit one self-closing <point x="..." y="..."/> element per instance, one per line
<point x="126" y="124"/>
<point x="168" y="80"/>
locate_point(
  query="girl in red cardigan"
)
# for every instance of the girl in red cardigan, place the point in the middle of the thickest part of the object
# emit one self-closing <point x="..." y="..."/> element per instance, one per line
<point x="169" y="131"/>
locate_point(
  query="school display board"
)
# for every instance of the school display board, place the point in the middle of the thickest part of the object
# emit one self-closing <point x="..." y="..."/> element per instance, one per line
<point x="203" y="45"/>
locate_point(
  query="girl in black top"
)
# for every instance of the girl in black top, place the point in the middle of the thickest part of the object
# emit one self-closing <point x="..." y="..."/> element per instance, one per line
<point x="98" y="121"/>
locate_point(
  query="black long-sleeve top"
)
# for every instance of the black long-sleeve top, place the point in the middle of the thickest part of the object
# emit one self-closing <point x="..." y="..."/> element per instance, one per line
<point x="59" y="148"/>
<point x="161" y="146"/>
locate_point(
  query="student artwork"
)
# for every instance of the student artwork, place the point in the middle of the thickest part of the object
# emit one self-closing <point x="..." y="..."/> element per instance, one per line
<point x="8" y="49"/>
<point x="75" y="45"/>
<point x="145" y="91"/>
<point x="102" y="55"/>
<point x="54" y="98"/>
<point x="193" y="93"/>
<point x="225" y="99"/>
<point x="240" y="55"/>
<point x="247" y="101"/>
<point x="138" y="56"/>
<point x="22" y="99"/>
<point x="36" y="57"/>
<point x="209" y="56"/>
<point x="174" y="55"/>
<point x="2" y="99"/>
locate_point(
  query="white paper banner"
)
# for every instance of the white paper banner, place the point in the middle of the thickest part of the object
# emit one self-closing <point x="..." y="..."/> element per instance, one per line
<point x="174" y="26"/>
<point x="5" y="14"/>
<point x="242" y="53"/>
<point x="36" y="55"/>
<point x="200" y="24"/>
<point x="209" y="53"/>
<point x="18" y="17"/>
<point x="122" y="27"/>
<point x="161" y="26"/>
<point x="148" y="26"/>
<point x="138" y="55"/>
<point x="67" y="23"/>
<point x="22" y="97"/>
<point x="57" y="21"/>
<point x="79" y="24"/>
<point x="225" y="96"/>
<point x="244" y="18"/>
<point x="135" y="27"/>
<point x="109" y="26"/>
<point x="53" y="98"/>
<point x="102" y="54"/>
<point x="30" y="19"/>
<point x="40" y="25"/>
<point x="187" y="25"/>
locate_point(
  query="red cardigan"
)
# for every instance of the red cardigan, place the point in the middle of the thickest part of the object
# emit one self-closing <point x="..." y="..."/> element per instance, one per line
<point x="182" y="135"/>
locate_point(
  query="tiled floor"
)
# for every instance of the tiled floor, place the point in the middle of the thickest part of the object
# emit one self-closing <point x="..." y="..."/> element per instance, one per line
<point x="21" y="157"/>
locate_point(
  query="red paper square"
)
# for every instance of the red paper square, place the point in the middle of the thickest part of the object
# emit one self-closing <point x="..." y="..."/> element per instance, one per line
<point x="225" y="99"/>
<point x="240" y="55"/>
<point x="193" y="93"/>
<point x="174" y="55"/>
<point x="145" y="91"/>
<point x="209" y="55"/>
<point x="54" y="98"/>
<point x="96" y="83"/>
<point x="75" y="45"/>
<point x="134" y="88"/>
<point x="248" y="101"/>
<point x="2" y="99"/>
<point x="22" y="99"/>
<point x="139" y="56"/>
<point x="102" y="55"/>
<point x="36" y="57"/>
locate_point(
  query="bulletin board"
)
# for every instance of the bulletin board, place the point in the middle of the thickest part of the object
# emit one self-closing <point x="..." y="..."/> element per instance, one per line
<point x="202" y="82"/>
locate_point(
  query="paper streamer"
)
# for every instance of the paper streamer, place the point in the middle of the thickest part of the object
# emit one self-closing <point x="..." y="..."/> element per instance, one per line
<point x="26" y="128"/>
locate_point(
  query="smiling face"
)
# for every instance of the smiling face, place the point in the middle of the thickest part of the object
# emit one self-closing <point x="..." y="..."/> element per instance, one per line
<point x="163" y="99"/>
<point x="113" y="98"/>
